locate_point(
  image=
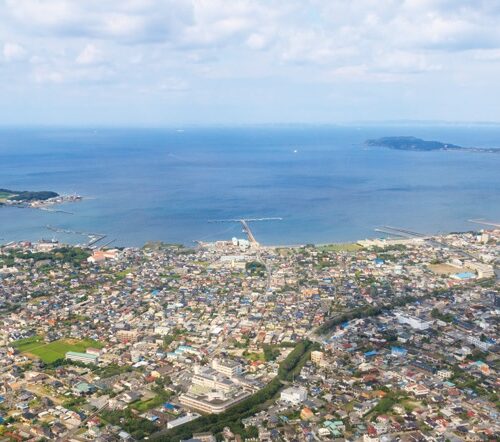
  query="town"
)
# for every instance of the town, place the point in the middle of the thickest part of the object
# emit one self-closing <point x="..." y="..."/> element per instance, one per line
<point x="381" y="340"/>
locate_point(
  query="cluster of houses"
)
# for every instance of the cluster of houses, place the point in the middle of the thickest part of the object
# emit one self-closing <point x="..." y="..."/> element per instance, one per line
<point x="186" y="332"/>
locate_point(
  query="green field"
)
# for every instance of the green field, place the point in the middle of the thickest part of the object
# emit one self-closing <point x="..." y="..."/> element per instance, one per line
<point x="255" y="356"/>
<point x="5" y="195"/>
<point x="161" y="397"/>
<point x="52" y="351"/>
<point x="340" y="247"/>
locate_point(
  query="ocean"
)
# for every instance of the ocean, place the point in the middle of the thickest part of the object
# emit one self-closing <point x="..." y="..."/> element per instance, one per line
<point x="145" y="185"/>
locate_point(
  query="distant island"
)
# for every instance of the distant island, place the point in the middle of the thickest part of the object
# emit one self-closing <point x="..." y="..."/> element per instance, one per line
<point x="417" y="144"/>
<point x="35" y="200"/>
<point x="25" y="196"/>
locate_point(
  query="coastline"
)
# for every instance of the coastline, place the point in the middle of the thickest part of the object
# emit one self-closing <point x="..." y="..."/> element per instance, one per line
<point x="331" y="190"/>
<point x="338" y="245"/>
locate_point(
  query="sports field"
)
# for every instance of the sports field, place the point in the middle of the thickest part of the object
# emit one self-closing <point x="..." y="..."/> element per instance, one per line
<point x="52" y="351"/>
<point x="340" y="247"/>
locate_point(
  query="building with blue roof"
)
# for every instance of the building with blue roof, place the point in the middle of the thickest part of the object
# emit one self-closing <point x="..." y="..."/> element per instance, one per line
<point x="398" y="351"/>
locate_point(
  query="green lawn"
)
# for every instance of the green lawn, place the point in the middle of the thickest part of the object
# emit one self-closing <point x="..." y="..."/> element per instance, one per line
<point x="154" y="402"/>
<point x="27" y="343"/>
<point x="54" y="350"/>
<point x="340" y="247"/>
<point x="255" y="357"/>
<point x="161" y="396"/>
<point x="5" y="195"/>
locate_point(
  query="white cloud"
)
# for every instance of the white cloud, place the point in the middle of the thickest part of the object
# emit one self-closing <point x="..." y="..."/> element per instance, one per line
<point x="257" y="41"/>
<point x="58" y="74"/>
<point x="302" y="30"/>
<point x="403" y="62"/>
<point x="316" y="46"/>
<point x="43" y="76"/>
<point x="89" y="55"/>
<point x="223" y="48"/>
<point x="13" y="52"/>
<point x="219" y="23"/>
<point x="174" y="84"/>
<point x="361" y="73"/>
<point x="487" y="54"/>
<point x="126" y="21"/>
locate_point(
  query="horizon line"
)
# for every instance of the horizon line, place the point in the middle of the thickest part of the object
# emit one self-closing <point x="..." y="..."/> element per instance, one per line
<point x="181" y="126"/>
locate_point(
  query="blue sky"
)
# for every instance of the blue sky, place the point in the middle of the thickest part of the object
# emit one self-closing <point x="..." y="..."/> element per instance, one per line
<point x="174" y="62"/>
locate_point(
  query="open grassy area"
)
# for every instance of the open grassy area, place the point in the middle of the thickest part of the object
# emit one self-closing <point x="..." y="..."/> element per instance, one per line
<point x="340" y="247"/>
<point x="255" y="357"/>
<point x="161" y="397"/>
<point x="5" y="195"/>
<point x="121" y="275"/>
<point x="447" y="269"/>
<point x="52" y="351"/>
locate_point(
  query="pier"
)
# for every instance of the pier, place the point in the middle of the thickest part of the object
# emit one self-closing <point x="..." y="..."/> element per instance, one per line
<point x="409" y="234"/>
<point x="249" y="233"/>
<point x="48" y="209"/>
<point x="401" y="232"/>
<point x="390" y="232"/>
<point x="246" y="228"/>
<point x="238" y="220"/>
<point x="484" y="223"/>
<point x="94" y="238"/>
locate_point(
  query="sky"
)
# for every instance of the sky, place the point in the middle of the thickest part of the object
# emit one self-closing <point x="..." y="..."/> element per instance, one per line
<point x="174" y="62"/>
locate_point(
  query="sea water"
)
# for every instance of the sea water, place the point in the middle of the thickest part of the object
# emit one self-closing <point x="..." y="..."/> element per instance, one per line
<point x="166" y="184"/>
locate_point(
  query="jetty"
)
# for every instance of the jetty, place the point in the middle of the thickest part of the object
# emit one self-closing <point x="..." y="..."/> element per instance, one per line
<point x="428" y="238"/>
<point x="94" y="238"/>
<point x="484" y="223"/>
<point x="246" y="228"/>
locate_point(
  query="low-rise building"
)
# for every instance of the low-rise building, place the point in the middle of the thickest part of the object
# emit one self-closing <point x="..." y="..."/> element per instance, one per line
<point x="86" y="358"/>
<point x="227" y="367"/>
<point x="413" y="321"/>
<point x="294" y="395"/>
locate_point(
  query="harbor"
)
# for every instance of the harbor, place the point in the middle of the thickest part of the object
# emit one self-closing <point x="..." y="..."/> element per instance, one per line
<point x="93" y="238"/>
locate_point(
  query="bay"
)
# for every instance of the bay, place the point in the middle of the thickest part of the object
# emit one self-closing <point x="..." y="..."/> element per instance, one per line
<point x="165" y="184"/>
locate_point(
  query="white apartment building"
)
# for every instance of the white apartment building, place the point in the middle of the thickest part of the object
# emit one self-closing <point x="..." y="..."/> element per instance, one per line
<point x="413" y="321"/>
<point x="294" y="395"/>
<point x="227" y="367"/>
